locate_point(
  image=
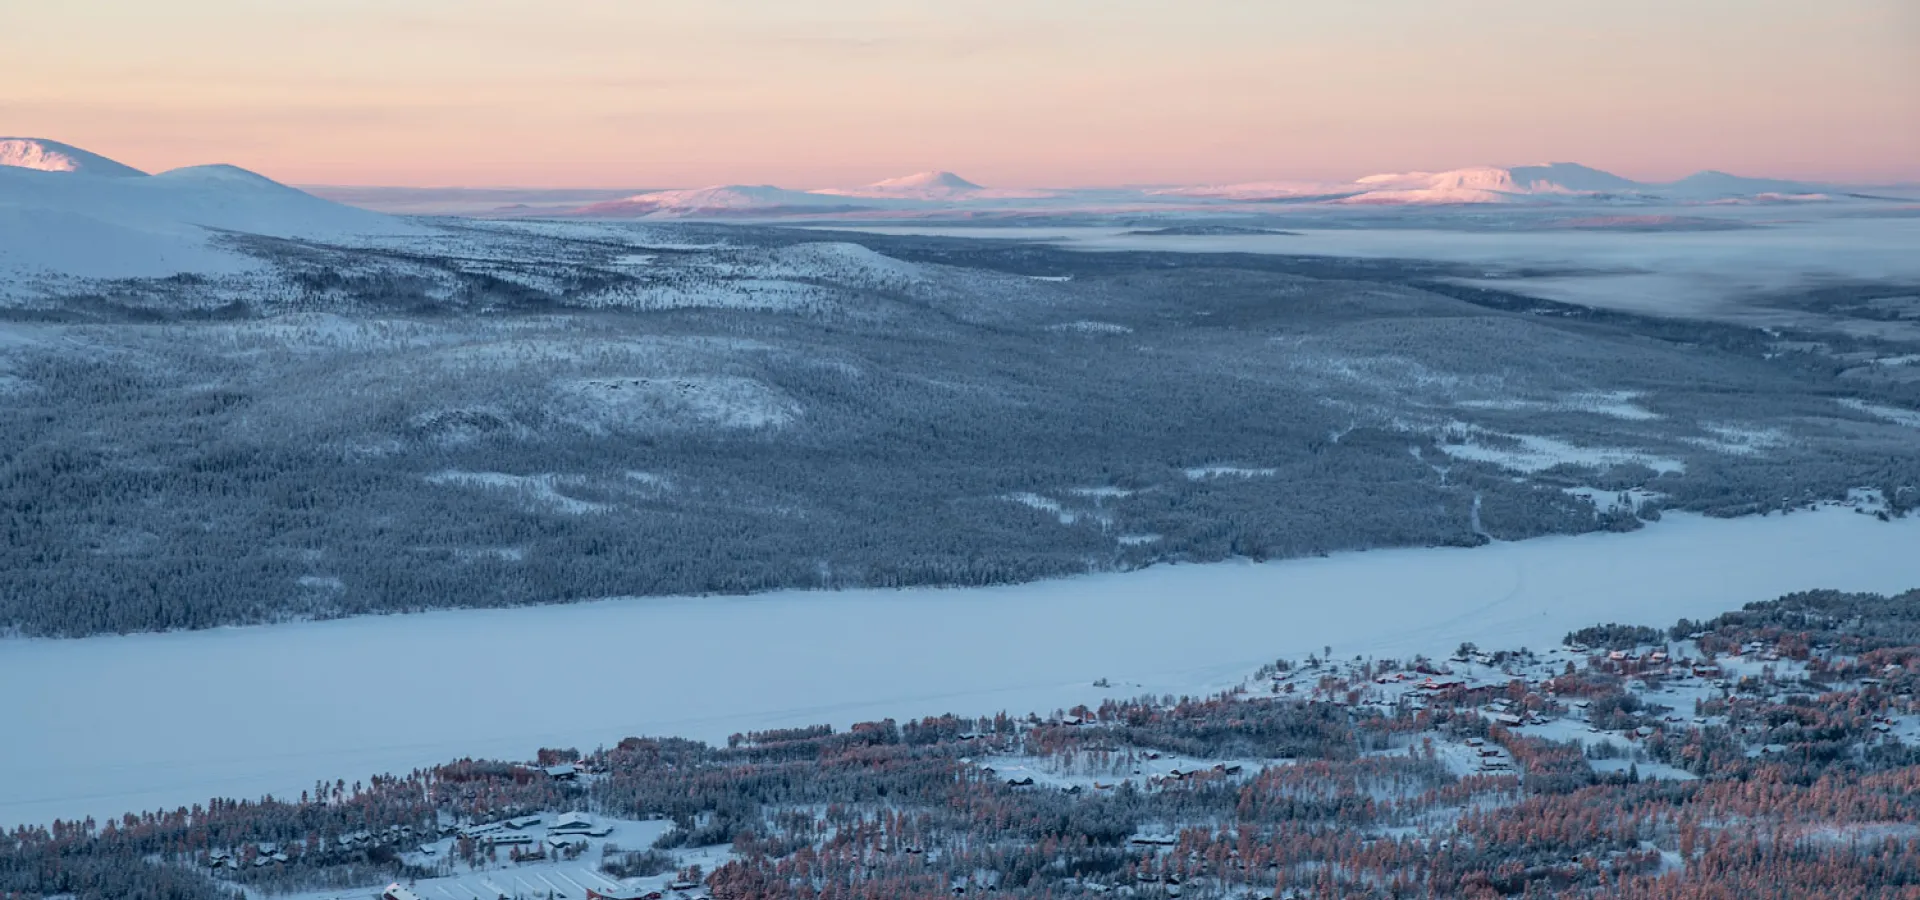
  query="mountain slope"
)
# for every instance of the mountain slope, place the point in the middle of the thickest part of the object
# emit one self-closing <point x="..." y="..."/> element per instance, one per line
<point x="926" y="181"/>
<point x="720" y="200"/>
<point x="1716" y="184"/>
<point x="99" y="219"/>
<point x="1569" y="177"/>
<point x="1490" y="184"/>
<point x="934" y="187"/>
<point x="43" y="155"/>
<point x="1475" y="184"/>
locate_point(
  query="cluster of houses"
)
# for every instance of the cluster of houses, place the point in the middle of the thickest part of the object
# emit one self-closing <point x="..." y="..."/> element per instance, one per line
<point x="267" y="853"/>
<point x="1657" y="663"/>
<point x="568" y="829"/>
<point x="264" y="855"/>
<point x="1489" y="757"/>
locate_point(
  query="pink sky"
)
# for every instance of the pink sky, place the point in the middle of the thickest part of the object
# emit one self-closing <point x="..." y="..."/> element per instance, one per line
<point x="811" y="93"/>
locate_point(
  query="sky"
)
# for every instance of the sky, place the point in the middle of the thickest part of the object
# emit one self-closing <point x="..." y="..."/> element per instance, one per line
<point x="819" y="93"/>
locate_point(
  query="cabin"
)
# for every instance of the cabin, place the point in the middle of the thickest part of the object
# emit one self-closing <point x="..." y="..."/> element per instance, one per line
<point x="482" y="830"/>
<point x="570" y="821"/>
<point x="563" y="772"/>
<point x="395" y="892"/>
<point x="579" y="823"/>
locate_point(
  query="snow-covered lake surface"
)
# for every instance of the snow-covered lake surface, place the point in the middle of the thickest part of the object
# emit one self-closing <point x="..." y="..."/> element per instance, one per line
<point x="99" y="726"/>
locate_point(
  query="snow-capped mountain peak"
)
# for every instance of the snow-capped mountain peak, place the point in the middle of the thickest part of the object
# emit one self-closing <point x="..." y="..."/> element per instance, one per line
<point x="933" y="187"/>
<point x="1714" y="184"/>
<point x="67" y="212"/>
<point x="1569" y="177"/>
<point x="924" y="181"/>
<point x="43" y="155"/>
<point x="1488" y="184"/>
<point x="729" y="199"/>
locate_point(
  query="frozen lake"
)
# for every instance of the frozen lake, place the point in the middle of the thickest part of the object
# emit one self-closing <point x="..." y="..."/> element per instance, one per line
<point x="99" y="726"/>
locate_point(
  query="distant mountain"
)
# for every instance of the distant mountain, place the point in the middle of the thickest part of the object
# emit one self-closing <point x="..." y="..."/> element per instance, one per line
<point x="70" y="212"/>
<point x="52" y="156"/>
<point x="1569" y="178"/>
<point x="926" y="181"/>
<point x="722" y="200"/>
<point x="941" y="193"/>
<point x="934" y="187"/>
<point x="1544" y="183"/>
<point x="1713" y="184"/>
<point x="1490" y="184"/>
<point x="1477" y="184"/>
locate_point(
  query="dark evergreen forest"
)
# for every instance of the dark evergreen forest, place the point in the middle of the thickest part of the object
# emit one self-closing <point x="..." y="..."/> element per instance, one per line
<point x="538" y="414"/>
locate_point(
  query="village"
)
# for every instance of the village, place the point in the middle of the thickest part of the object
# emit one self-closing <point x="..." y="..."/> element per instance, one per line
<point x="527" y="856"/>
<point x="1640" y="750"/>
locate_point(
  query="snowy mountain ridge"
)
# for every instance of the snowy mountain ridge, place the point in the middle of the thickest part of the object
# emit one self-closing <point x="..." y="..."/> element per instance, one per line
<point x="905" y="192"/>
<point x="718" y="200"/>
<point x="1544" y="182"/>
<point x="68" y="212"/>
<point x="43" y="155"/>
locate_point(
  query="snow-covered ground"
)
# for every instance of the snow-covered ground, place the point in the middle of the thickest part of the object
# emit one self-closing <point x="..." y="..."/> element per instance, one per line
<point x="104" y="725"/>
<point x="68" y="213"/>
<point x="554" y="876"/>
<point x="1659" y="272"/>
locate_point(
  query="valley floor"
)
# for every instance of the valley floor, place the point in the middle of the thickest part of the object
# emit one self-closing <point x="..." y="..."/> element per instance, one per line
<point x="163" y="720"/>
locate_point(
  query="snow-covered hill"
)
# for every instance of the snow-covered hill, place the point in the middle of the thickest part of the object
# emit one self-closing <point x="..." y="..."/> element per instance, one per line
<point x="1492" y="184"/>
<point x="938" y="193"/>
<point x="1712" y="184"/>
<point x="934" y="187"/>
<point x="722" y="200"/>
<point x="1543" y="183"/>
<point x="65" y="211"/>
<point x="52" y="156"/>
<point x="921" y="190"/>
